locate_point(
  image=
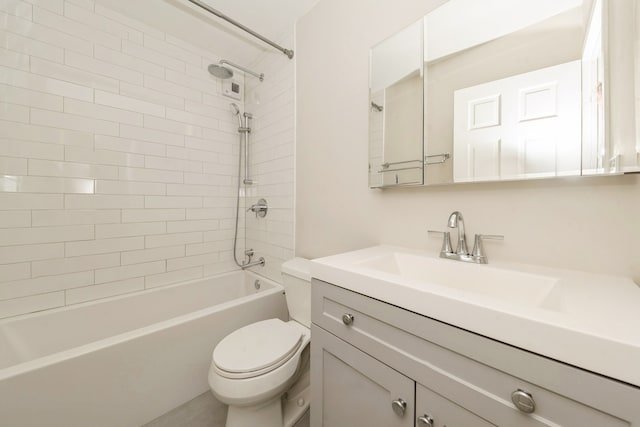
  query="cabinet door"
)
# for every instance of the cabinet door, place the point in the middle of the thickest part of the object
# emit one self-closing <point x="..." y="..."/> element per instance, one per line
<point x="433" y="410"/>
<point x="350" y="388"/>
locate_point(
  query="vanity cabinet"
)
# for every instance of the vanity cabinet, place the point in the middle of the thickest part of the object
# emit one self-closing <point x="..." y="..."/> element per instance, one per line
<point x="371" y="359"/>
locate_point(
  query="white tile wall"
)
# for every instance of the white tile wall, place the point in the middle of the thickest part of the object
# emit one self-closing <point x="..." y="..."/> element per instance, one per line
<point x="118" y="156"/>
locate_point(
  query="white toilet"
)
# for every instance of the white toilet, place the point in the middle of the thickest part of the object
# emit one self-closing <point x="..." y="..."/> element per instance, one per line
<point x="262" y="370"/>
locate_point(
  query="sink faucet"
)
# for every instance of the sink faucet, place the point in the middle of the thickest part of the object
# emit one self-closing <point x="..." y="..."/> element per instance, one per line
<point x="477" y="256"/>
<point x="457" y="221"/>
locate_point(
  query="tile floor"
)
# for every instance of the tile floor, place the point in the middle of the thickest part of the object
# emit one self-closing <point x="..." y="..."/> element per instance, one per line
<point x="203" y="411"/>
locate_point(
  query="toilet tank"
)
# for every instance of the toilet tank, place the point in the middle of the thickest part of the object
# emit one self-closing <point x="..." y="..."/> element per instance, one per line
<point x="296" y="279"/>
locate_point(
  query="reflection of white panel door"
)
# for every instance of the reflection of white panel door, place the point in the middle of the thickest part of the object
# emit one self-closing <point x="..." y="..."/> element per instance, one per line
<point x="525" y="126"/>
<point x="479" y="158"/>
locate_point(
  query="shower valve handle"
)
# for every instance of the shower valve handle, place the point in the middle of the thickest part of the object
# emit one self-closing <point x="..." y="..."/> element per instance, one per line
<point x="260" y="208"/>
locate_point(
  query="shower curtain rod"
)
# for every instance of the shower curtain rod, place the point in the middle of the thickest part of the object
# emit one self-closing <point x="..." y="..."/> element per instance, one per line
<point x="219" y="14"/>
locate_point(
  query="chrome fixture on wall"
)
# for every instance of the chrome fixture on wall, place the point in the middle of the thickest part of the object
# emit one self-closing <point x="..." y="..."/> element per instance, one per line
<point x="232" y="21"/>
<point x="260" y="208"/>
<point x="244" y="128"/>
<point x="220" y="71"/>
<point x="376" y="107"/>
<point x="457" y="221"/>
<point x="461" y="253"/>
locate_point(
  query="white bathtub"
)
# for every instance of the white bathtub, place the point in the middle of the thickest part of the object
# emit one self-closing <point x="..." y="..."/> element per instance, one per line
<point x="124" y="361"/>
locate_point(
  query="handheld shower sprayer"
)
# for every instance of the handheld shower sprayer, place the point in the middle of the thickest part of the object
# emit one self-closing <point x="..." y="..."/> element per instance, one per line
<point x="235" y="110"/>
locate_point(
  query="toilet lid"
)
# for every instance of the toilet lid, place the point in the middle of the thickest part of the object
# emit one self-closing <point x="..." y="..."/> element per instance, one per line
<point x="257" y="347"/>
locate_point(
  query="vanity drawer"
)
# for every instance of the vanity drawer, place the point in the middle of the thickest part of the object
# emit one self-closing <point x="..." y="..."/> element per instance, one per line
<point x="477" y="373"/>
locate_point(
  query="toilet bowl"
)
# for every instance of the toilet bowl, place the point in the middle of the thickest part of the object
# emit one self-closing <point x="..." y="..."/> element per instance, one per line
<point x="254" y="367"/>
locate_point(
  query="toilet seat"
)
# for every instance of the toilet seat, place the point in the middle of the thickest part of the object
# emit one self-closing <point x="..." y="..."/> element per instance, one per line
<point x="256" y="349"/>
<point x="242" y="392"/>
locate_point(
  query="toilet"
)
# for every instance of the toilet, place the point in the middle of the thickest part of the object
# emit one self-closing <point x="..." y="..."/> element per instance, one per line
<point x="262" y="370"/>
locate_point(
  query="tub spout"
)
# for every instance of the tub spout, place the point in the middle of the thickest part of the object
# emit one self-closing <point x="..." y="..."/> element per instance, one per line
<point x="261" y="262"/>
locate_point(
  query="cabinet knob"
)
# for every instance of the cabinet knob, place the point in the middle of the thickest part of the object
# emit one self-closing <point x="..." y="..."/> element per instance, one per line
<point x="523" y="401"/>
<point x="347" y="319"/>
<point x="425" y="421"/>
<point x="399" y="407"/>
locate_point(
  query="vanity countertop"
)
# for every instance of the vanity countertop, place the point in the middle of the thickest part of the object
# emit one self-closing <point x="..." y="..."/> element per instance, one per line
<point x="585" y="320"/>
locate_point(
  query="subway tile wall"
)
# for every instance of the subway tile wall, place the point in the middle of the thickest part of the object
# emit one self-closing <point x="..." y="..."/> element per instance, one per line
<point x="118" y="158"/>
<point x="272" y="160"/>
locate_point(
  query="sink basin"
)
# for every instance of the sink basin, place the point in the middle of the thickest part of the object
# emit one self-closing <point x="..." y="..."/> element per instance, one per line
<point x="507" y="285"/>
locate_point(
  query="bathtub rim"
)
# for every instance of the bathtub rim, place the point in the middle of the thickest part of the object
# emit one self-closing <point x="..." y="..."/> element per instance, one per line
<point x="81" y="350"/>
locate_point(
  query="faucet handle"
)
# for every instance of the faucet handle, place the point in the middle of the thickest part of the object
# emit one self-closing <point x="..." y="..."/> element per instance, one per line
<point x="446" y="241"/>
<point x="478" y="249"/>
<point x="490" y="236"/>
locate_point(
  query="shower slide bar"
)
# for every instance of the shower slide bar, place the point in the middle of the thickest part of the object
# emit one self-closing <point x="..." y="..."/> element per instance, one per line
<point x="221" y="15"/>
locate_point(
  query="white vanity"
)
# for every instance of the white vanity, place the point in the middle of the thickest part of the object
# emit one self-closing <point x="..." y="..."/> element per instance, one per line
<point x="403" y="338"/>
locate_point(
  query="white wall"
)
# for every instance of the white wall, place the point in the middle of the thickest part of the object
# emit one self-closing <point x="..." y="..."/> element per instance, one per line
<point x="403" y="131"/>
<point x="117" y="157"/>
<point x="397" y="57"/>
<point x="463" y="24"/>
<point x="584" y="223"/>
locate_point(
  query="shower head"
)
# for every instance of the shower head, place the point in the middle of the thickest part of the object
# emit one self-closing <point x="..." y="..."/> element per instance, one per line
<point x="220" y="71"/>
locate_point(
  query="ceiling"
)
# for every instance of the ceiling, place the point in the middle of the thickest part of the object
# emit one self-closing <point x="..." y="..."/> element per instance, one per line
<point x="274" y="19"/>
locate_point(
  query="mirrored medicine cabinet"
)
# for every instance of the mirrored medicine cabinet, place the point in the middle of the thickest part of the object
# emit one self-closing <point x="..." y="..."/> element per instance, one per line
<point x="507" y="90"/>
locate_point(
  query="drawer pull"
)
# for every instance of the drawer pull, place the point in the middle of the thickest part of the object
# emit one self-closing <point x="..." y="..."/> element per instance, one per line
<point x="399" y="407"/>
<point x="347" y="319"/>
<point x="523" y="401"/>
<point x="425" y="421"/>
